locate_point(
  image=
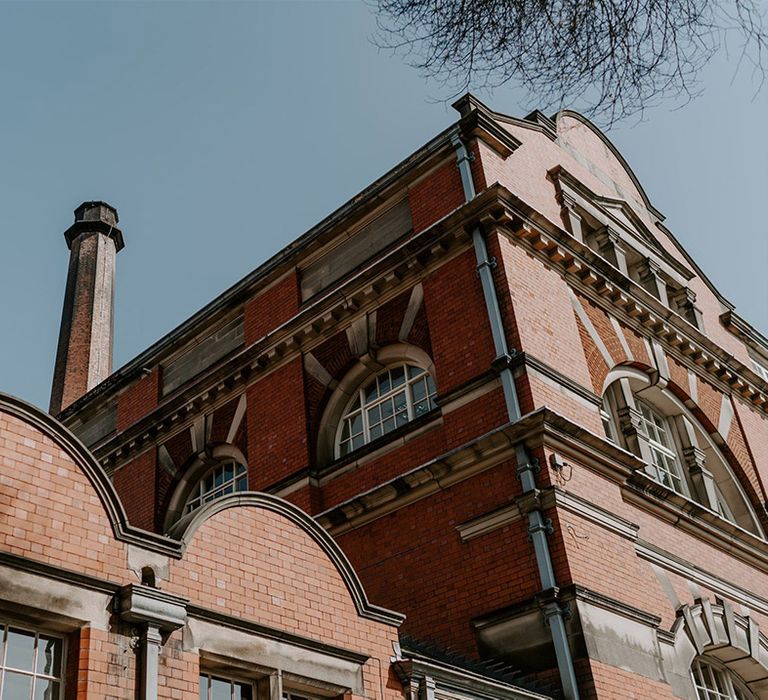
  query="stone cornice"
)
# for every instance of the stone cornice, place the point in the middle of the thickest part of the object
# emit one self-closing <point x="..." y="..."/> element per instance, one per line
<point x="592" y="276"/>
<point x="693" y="518"/>
<point x="495" y="207"/>
<point x="744" y="331"/>
<point x="545" y="428"/>
<point x="480" y="124"/>
<point x="238" y="623"/>
<point x="671" y="562"/>
<point x="372" y="285"/>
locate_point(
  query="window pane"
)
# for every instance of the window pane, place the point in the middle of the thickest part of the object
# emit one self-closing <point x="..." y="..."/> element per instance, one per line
<point x="203" y="687"/>
<point x="21" y="650"/>
<point x="243" y="691"/>
<point x="49" y="656"/>
<point x="220" y="690"/>
<point x="16" y="686"/>
<point x="372" y="392"/>
<point x="421" y="408"/>
<point x="389" y="400"/>
<point x="46" y="689"/>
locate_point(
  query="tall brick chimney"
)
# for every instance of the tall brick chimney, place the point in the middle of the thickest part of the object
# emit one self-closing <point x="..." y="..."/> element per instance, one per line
<point x="84" y="355"/>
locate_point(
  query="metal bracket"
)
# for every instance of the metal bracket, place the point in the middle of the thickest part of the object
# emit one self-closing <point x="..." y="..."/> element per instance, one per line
<point x="490" y="263"/>
<point x="545" y="527"/>
<point x="470" y="157"/>
<point x="532" y="464"/>
<point x="555" y="609"/>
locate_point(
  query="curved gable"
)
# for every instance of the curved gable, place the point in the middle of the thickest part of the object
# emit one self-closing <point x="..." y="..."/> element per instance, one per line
<point x="584" y="140"/>
<point x="266" y="560"/>
<point x="59" y="507"/>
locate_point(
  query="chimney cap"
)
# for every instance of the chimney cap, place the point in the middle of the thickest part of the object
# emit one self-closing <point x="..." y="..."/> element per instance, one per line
<point x="95" y="216"/>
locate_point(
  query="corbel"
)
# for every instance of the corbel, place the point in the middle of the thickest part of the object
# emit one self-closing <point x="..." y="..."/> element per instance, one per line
<point x="156" y="614"/>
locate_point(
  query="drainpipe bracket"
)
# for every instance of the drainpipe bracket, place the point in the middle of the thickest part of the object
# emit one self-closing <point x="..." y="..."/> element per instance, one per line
<point x="531" y="465"/>
<point x="503" y="362"/>
<point x="490" y="263"/>
<point x="549" y="603"/>
<point x="545" y="527"/>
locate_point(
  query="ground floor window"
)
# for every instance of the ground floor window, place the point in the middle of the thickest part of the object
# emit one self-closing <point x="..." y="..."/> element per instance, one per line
<point x="31" y="665"/>
<point x="217" y="688"/>
<point x="714" y="682"/>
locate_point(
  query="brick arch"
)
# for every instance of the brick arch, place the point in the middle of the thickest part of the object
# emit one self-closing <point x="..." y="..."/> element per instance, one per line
<point x="194" y="532"/>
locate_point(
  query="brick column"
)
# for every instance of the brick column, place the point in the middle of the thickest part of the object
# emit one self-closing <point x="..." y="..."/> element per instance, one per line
<point x="84" y="355"/>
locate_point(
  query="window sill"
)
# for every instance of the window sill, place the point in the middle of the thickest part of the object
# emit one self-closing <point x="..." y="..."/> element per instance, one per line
<point x="679" y="505"/>
<point x="381" y="446"/>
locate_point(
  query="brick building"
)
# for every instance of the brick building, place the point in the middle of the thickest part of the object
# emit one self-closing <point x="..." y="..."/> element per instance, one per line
<point x="491" y="393"/>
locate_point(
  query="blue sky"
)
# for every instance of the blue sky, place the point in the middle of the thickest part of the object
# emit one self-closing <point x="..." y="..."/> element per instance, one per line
<point x="222" y="131"/>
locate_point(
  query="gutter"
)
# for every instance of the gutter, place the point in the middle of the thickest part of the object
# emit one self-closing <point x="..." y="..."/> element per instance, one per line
<point x="538" y="526"/>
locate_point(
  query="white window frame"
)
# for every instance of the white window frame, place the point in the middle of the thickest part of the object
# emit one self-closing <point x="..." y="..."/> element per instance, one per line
<point x="760" y="369"/>
<point x="657" y="429"/>
<point x="34" y="673"/>
<point x="609" y="425"/>
<point x="716" y="682"/>
<point x="199" y="495"/>
<point x="357" y="405"/>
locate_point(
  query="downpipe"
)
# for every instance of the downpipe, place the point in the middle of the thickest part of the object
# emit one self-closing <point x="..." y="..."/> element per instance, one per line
<point x="538" y="527"/>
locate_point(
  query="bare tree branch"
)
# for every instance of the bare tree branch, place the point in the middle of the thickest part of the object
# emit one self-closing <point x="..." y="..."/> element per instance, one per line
<point x="609" y="58"/>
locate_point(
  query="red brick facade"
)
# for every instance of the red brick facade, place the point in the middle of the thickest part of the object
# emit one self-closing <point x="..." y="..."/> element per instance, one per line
<point x="654" y="571"/>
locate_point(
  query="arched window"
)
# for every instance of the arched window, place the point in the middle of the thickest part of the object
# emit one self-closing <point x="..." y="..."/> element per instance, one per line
<point x="665" y="463"/>
<point x="220" y="480"/>
<point x="715" y="682"/>
<point x="679" y="453"/>
<point x="393" y="397"/>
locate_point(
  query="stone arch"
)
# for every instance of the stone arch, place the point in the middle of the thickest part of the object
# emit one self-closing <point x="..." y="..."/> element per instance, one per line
<point x="192" y="472"/>
<point x="362" y="369"/>
<point x="184" y="531"/>
<point x="672" y="398"/>
<point x="715" y="630"/>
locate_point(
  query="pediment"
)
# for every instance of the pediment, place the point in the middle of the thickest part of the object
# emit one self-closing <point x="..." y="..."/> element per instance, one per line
<point x="617" y="213"/>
